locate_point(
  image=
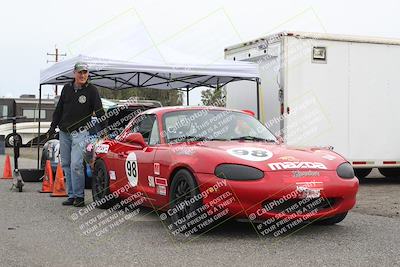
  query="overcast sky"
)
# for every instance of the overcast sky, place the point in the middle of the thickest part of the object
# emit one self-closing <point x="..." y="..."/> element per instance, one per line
<point x="166" y="31"/>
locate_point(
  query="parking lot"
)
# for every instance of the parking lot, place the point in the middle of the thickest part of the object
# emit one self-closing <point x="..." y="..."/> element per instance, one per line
<point x="36" y="230"/>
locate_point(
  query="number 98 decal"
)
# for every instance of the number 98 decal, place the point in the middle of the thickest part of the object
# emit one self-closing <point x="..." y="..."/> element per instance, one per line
<point x="131" y="169"/>
<point x="250" y="153"/>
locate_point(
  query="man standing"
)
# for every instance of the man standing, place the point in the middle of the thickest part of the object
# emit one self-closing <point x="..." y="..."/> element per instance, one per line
<point x="78" y="100"/>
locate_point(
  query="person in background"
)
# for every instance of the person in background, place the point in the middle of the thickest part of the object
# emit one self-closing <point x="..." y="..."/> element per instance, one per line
<point x="78" y="100"/>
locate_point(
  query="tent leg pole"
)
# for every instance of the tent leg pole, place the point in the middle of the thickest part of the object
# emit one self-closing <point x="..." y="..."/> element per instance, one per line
<point x="38" y="137"/>
<point x="258" y="98"/>
<point x="187" y="96"/>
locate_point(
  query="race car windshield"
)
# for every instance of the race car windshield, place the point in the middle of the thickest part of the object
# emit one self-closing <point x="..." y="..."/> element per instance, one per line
<point x="213" y="125"/>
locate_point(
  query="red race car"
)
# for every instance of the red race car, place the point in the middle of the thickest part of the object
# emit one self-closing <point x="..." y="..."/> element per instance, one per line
<point x="198" y="165"/>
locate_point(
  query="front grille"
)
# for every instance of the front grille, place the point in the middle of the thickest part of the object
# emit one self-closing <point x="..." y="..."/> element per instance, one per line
<point x="300" y="206"/>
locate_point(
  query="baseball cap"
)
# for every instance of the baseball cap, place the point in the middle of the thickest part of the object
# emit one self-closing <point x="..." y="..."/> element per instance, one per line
<point x="79" y="66"/>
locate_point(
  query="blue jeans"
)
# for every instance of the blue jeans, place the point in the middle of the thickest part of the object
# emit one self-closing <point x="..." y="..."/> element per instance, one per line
<point x="72" y="148"/>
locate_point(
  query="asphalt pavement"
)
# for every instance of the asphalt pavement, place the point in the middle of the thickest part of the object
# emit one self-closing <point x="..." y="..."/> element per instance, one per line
<point x="36" y="230"/>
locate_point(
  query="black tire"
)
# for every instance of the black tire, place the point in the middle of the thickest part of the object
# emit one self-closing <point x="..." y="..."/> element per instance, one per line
<point x="390" y="172"/>
<point x="362" y="173"/>
<point x="10" y="139"/>
<point x="333" y="220"/>
<point x="100" y="186"/>
<point x="183" y="187"/>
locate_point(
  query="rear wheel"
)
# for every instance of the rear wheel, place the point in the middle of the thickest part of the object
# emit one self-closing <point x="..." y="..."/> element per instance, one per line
<point x="101" y="186"/>
<point x="333" y="220"/>
<point x="362" y="173"/>
<point x="390" y="172"/>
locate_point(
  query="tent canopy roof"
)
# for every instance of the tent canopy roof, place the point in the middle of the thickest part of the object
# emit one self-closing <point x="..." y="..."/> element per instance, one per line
<point x="117" y="74"/>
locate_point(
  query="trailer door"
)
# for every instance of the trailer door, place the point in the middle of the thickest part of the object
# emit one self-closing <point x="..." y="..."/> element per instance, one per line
<point x="316" y="94"/>
<point x="374" y="96"/>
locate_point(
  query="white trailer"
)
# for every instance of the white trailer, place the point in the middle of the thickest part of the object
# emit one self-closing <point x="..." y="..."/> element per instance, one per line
<point x="327" y="90"/>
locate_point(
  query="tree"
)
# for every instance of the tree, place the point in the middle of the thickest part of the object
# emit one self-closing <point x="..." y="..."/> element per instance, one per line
<point x="213" y="97"/>
<point x="166" y="97"/>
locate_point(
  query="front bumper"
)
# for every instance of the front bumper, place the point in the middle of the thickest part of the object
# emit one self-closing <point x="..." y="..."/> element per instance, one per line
<point x="277" y="196"/>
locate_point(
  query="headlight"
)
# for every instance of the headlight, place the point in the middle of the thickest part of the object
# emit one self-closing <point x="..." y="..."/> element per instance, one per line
<point x="238" y="172"/>
<point x="345" y="170"/>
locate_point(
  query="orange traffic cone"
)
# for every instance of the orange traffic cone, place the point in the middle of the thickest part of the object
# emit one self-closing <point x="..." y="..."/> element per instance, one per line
<point x="59" y="187"/>
<point x="7" y="173"/>
<point x="47" y="185"/>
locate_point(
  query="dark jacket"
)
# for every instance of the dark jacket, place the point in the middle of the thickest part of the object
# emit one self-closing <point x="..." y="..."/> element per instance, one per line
<point x="75" y="108"/>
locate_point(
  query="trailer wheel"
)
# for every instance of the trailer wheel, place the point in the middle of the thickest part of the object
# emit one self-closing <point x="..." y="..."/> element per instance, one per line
<point x="362" y="173"/>
<point x="390" y="172"/>
<point x="11" y="138"/>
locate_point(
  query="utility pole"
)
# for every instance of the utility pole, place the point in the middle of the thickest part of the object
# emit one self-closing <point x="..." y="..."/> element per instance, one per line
<point x="56" y="55"/>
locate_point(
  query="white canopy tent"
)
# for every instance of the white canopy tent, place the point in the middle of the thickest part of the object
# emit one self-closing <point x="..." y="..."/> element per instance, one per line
<point x="118" y="75"/>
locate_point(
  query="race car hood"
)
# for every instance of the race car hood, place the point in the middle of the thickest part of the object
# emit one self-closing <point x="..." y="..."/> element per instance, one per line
<point x="264" y="156"/>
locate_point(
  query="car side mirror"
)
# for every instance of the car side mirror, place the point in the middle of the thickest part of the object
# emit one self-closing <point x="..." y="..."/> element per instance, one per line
<point x="135" y="138"/>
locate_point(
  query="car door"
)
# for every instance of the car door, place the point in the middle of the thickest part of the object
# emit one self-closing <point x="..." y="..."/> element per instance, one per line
<point x="134" y="163"/>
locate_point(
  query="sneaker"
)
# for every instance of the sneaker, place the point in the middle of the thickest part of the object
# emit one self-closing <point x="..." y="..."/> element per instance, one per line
<point x="69" y="202"/>
<point x="79" y="202"/>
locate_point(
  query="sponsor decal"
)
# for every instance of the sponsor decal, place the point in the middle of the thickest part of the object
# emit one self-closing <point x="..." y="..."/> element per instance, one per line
<point x="288" y="158"/>
<point x="161" y="181"/>
<point x="305" y="192"/>
<point x="82" y="99"/>
<point x="296" y="165"/>
<point x="112" y="175"/>
<point x="157" y="168"/>
<point x="309" y="189"/>
<point x="161" y="190"/>
<point x="299" y="174"/>
<point x="102" y="149"/>
<point x="329" y="157"/>
<point x="311" y="184"/>
<point x="250" y="153"/>
<point x="151" y="181"/>
<point x="132" y="169"/>
<point x="89" y="147"/>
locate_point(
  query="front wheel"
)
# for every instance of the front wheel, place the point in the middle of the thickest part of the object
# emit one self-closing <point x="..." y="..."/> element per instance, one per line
<point x="101" y="186"/>
<point x="184" y="199"/>
<point x="333" y="220"/>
